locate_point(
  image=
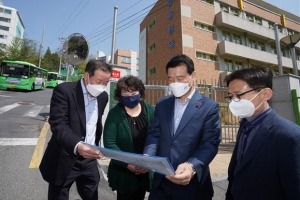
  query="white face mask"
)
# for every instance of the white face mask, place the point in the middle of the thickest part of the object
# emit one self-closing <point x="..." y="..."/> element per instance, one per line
<point x="179" y="89"/>
<point x="243" y="108"/>
<point x="95" y="90"/>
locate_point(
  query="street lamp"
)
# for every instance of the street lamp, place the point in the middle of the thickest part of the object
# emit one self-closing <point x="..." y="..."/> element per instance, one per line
<point x="291" y="41"/>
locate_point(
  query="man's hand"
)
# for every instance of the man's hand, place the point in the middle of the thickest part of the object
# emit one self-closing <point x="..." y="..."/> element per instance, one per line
<point x="88" y="151"/>
<point x="183" y="174"/>
<point x="136" y="170"/>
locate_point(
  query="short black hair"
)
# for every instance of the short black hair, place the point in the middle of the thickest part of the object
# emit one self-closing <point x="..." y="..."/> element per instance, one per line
<point x="179" y="60"/>
<point x="129" y="83"/>
<point x="94" y="65"/>
<point x="254" y="77"/>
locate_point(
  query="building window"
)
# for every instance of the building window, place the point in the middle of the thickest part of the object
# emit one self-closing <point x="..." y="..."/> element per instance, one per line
<point x="271" y="25"/>
<point x="209" y="1"/>
<point x="7" y="11"/>
<point x="298" y="55"/>
<point x="273" y="49"/>
<point x="234" y="11"/>
<point x="152" y="71"/>
<point x="238" y="65"/>
<point x="258" y="20"/>
<point x="171" y="44"/>
<point x="228" y="65"/>
<point x="225" y="8"/>
<point x="170" y="2"/>
<point x="4" y="19"/>
<point x="206" y="56"/>
<point x="236" y="39"/>
<point x="204" y="26"/>
<point x="4" y="28"/>
<point x="290" y="32"/>
<point x="283" y="54"/>
<point x="252" y="43"/>
<point x="125" y="59"/>
<point x="3" y="36"/>
<point x="226" y="35"/>
<point x="250" y="17"/>
<point x="171" y="15"/>
<point x="261" y="46"/>
<point x="2" y="45"/>
<point x="151" y="47"/>
<point x="171" y="29"/>
<point x="152" y="24"/>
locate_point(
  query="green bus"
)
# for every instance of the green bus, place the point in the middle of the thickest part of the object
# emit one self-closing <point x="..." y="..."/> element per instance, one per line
<point x="21" y="75"/>
<point x="53" y="79"/>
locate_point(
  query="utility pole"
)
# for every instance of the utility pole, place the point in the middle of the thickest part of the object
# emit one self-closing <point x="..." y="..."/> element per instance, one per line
<point x="113" y="43"/>
<point x="41" y="48"/>
<point x="62" y="40"/>
<point x="278" y="49"/>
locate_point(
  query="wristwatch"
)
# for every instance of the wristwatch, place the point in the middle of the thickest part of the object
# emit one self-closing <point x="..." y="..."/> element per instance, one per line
<point x="194" y="170"/>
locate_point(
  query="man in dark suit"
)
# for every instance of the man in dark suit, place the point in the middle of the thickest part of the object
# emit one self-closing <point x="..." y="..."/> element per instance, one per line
<point x="75" y="118"/>
<point x="265" y="163"/>
<point x="186" y="129"/>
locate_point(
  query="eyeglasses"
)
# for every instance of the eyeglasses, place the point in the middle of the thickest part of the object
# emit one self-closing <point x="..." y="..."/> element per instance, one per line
<point x="238" y="96"/>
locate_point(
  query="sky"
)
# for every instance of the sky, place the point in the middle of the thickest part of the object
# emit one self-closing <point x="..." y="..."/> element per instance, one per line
<point x="94" y="19"/>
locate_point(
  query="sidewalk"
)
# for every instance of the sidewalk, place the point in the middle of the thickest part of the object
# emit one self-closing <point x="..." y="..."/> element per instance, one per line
<point x="218" y="170"/>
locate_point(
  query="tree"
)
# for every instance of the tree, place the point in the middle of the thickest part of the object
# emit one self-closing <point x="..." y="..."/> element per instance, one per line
<point x="20" y="49"/>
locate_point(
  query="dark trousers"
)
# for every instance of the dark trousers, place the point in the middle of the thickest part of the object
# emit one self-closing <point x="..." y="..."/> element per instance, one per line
<point x="138" y="194"/>
<point x="171" y="191"/>
<point x="86" y="175"/>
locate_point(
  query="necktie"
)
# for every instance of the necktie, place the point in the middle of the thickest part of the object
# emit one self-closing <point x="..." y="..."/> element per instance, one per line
<point x="246" y="130"/>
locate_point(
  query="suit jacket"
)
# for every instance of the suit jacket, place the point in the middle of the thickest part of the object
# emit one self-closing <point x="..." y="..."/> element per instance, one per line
<point x="68" y="126"/>
<point x="270" y="168"/>
<point x="117" y="135"/>
<point x="196" y="139"/>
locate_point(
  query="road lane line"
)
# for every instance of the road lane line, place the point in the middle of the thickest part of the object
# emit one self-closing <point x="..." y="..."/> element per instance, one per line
<point x="8" y="107"/>
<point x="33" y="112"/>
<point x="39" y="149"/>
<point x="18" y="141"/>
<point x="4" y="96"/>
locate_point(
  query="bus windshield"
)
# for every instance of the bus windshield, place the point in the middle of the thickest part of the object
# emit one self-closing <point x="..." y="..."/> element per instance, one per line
<point x="52" y="76"/>
<point x="20" y="71"/>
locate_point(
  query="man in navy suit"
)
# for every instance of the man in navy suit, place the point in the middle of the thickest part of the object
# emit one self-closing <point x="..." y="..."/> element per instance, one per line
<point x="186" y="129"/>
<point x="75" y="117"/>
<point x="265" y="163"/>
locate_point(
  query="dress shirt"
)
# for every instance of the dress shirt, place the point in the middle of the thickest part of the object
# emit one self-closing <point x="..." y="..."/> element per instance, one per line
<point x="91" y="116"/>
<point x="179" y="110"/>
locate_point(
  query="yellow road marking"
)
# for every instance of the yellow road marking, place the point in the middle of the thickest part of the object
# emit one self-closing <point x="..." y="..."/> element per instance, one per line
<point x="39" y="148"/>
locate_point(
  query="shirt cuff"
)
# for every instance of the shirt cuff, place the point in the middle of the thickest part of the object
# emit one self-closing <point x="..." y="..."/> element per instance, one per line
<point x="75" y="149"/>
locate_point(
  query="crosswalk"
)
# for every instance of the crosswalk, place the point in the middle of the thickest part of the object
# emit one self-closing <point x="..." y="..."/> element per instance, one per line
<point x="32" y="111"/>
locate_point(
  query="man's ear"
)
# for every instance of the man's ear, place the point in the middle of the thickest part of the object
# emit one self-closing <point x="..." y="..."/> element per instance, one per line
<point x="268" y="93"/>
<point x="194" y="75"/>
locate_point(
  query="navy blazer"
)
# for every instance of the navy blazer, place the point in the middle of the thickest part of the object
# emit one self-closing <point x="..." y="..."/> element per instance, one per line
<point x="270" y="168"/>
<point x="196" y="139"/>
<point x="68" y="126"/>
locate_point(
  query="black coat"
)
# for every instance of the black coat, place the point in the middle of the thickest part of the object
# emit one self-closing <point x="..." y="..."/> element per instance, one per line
<point x="68" y="126"/>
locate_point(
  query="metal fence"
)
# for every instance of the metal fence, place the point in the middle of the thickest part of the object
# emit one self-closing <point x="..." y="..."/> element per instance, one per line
<point x="230" y="123"/>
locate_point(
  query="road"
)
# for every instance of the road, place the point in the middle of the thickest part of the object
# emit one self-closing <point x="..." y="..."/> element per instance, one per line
<point x="23" y="137"/>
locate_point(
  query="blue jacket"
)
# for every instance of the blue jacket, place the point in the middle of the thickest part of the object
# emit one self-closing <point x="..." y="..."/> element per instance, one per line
<point x="196" y="139"/>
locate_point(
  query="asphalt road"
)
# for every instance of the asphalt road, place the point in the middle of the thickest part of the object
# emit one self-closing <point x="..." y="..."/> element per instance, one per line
<point x="22" y="121"/>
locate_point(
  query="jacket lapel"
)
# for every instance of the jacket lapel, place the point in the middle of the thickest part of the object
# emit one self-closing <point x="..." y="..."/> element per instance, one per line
<point x="193" y="106"/>
<point x="79" y="101"/>
<point x="260" y="138"/>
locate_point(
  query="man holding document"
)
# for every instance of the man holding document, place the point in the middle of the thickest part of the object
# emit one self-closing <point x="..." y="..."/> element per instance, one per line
<point x="186" y="130"/>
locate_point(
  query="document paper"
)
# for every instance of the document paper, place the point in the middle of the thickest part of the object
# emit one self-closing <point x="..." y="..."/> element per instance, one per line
<point x="157" y="164"/>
